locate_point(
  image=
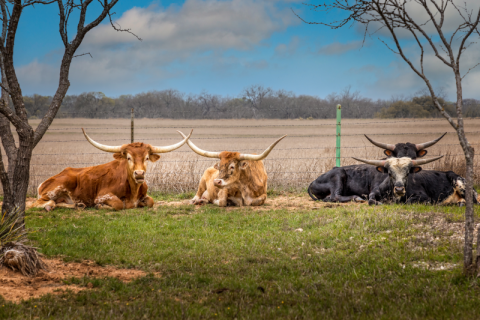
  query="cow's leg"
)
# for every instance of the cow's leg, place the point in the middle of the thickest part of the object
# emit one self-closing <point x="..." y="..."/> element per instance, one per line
<point x="58" y="197"/>
<point x="336" y="190"/>
<point x="202" y="189"/>
<point x="372" y="198"/>
<point x="418" y="198"/>
<point x="147" y="201"/>
<point x="109" y="201"/>
<point x="222" y="199"/>
<point x="237" y="201"/>
<point x="46" y="204"/>
<point x="258" y="201"/>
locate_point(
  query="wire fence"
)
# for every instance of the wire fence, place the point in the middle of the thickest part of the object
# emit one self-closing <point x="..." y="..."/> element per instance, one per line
<point x="307" y="152"/>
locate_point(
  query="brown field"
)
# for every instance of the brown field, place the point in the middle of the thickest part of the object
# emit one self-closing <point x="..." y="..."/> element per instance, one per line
<point x="308" y="151"/>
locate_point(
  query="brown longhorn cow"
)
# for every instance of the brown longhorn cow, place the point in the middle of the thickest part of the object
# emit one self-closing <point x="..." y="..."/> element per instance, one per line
<point x="238" y="179"/>
<point x="119" y="184"/>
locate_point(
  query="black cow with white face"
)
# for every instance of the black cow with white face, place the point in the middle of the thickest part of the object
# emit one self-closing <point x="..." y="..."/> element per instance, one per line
<point x="352" y="183"/>
<point x="410" y="184"/>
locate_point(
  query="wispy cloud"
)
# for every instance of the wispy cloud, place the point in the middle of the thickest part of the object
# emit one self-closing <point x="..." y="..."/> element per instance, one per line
<point x="337" y="48"/>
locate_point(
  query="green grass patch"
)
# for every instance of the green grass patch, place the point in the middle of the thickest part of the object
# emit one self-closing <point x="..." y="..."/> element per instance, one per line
<point x="348" y="263"/>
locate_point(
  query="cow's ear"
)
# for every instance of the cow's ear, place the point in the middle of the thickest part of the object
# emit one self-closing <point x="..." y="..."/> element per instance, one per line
<point x="243" y="165"/>
<point x="118" y="156"/>
<point x="382" y="169"/>
<point x="415" y="169"/>
<point x="216" y="166"/>
<point x="154" y="157"/>
<point x="422" y="153"/>
<point x="388" y="153"/>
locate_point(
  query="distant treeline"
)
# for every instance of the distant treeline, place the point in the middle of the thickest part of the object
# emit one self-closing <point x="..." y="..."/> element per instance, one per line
<point x="253" y="102"/>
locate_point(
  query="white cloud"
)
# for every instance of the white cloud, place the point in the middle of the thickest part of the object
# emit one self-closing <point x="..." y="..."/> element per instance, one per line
<point x="197" y="25"/>
<point x="195" y="33"/>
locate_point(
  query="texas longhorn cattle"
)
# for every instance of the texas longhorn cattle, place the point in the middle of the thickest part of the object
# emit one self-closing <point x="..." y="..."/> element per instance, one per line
<point x="424" y="186"/>
<point x="352" y="183"/>
<point x="119" y="184"/>
<point x="238" y="179"/>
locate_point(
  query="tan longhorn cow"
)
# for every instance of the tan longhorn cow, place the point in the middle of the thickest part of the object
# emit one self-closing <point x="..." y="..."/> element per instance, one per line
<point x="238" y="179"/>
<point x="119" y="184"/>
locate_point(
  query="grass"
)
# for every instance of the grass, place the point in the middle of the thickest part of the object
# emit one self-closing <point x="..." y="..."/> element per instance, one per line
<point x="348" y="263"/>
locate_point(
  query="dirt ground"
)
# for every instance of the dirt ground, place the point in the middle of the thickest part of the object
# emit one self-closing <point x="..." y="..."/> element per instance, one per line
<point x="16" y="287"/>
<point x="289" y="202"/>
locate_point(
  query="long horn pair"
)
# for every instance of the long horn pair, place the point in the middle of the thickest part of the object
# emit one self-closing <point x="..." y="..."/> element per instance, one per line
<point x="154" y="149"/>
<point x="419" y="146"/>
<point x="381" y="163"/>
<point x="243" y="156"/>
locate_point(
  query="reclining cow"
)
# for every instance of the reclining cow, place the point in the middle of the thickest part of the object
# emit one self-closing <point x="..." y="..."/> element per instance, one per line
<point x="424" y="186"/>
<point x="354" y="182"/>
<point x="119" y="184"/>
<point x="238" y="179"/>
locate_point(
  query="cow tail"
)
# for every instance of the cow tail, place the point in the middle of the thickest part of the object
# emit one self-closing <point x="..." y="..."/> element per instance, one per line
<point x="310" y="193"/>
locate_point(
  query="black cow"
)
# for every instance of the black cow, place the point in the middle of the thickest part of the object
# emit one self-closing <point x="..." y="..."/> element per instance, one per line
<point x="343" y="184"/>
<point x="427" y="186"/>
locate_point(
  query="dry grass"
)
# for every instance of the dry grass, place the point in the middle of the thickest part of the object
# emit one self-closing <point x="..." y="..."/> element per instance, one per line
<point x="308" y="151"/>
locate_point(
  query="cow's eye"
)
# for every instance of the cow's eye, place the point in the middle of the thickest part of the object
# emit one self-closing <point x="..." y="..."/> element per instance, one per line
<point x="232" y="167"/>
<point x="146" y="158"/>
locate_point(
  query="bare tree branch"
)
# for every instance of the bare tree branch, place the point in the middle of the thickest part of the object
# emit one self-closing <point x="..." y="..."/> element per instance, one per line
<point x="83" y="54"/>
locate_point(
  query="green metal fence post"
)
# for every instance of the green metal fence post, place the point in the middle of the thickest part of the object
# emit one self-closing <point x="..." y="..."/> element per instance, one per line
<point x="339" y="127"/>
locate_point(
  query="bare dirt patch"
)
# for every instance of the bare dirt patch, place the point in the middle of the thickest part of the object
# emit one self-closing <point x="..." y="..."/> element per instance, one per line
<point x="16" y="287"/>
<point x="289" y="202"/>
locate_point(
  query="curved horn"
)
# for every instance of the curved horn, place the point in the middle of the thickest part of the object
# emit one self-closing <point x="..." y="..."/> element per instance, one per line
<point x="102" y="146"/>
<point x="425" y="145"/>
<point x="255" y="157"/>
<point x="424" y="161"/>
<point x="197" y="150"/>
<point x="377" y="163"/>
<point x="172" y="147"/>
<point x="385" y="146"/>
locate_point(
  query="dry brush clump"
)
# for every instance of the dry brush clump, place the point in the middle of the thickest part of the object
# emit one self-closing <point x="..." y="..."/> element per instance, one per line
<point x="14" y="254"/>
<point x="307" y="152"/>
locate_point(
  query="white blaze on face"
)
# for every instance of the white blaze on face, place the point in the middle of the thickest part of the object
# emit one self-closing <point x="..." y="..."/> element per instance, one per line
<point x="398" y="170"/>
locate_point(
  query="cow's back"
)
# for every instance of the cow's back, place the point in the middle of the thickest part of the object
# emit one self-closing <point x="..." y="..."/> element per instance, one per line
<point x="435" y="184"/>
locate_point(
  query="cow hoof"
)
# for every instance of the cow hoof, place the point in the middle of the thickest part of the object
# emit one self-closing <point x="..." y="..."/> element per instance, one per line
<point x="48" y="208"/>
<point x="98" y="206"/>
<point x="461" y="204"/>
<point x="359" y="199"/>
<point x="80" y="205"/>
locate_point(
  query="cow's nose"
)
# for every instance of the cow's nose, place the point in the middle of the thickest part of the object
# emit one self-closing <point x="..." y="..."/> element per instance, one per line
<point x="217" y="181"/>
<point x="399" y="189"/>
<point x="139" y="172"/>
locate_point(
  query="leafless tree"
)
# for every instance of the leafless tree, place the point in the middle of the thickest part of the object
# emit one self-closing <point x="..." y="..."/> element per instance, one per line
<point x="428" y="23"/>
<point x="15" y="181"/>
<point x="255" y="95"/>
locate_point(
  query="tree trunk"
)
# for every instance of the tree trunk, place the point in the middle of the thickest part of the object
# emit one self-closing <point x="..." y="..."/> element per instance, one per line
<point x="469" y="217"/>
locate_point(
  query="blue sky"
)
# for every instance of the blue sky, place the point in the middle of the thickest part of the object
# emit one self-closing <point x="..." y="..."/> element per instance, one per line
<point x="220" y="46"/>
